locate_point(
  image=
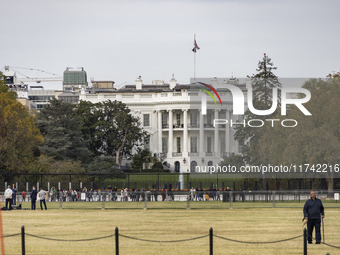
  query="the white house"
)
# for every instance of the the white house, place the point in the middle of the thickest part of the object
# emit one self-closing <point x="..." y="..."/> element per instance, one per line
<point x="180" y="136"/>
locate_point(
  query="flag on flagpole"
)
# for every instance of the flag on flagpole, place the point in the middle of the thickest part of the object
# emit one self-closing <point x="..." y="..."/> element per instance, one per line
<point x="195" y="46"/>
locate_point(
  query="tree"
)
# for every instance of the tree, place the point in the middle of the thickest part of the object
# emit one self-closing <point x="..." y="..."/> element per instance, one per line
<point x="49" y="165"/>
<point x="144" y="157"/>
<point x="262" y="86"/>
<point x="103" y="165"/>
<point x="19" y="138"/>
<point x="63" y="139"/>
<point x="234" y="160"/>
<point x="316" y="139"/>
<point x="110" y="128"/>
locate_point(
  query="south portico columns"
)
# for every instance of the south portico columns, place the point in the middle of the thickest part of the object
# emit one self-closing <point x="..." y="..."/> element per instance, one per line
<point x="171" y="134"/>
<point x="160" y="133"/>
<point x="227" y="132"/>
<point x="216" y="138"/>
<point x="185" y="133"/>
<point x="201" y="132"/>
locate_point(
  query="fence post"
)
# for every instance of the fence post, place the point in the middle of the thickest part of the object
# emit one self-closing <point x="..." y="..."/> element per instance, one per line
<point x="304" y="241"/>
<point x="61" y="200"/>
<point x="146" y="201"/>
<point x="188" y="201"/>
<point x="273" y="198"/>
<point x="103" y="200"/>
<point x="211" y="234"/>
<point x="117" y="240"/>
<point x="23" y="240"/>
<point x="230" y="200"/>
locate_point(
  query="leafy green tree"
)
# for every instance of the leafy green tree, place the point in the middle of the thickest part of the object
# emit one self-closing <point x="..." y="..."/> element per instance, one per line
<point x="19" y="138"/>
<point x="110" y="128"/>
<point x="316" y="138"/>
<point x="157" y="165"/>
<point x="103" y="165"/>
<point x="49" y="165"/>
<point x="234" y="160"/>
<point x="262" y="86"/>
<point x="144" y="157"/>
<point x="63" y="139"/>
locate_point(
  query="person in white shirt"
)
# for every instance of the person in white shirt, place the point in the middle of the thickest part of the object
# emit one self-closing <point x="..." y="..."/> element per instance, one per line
<point x="8" y="196"/>
<point x="41" y="196"/>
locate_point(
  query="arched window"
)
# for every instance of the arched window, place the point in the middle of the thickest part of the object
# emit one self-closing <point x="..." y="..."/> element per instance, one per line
<point x="193" y="165"/>
<point x="177" y="166"/>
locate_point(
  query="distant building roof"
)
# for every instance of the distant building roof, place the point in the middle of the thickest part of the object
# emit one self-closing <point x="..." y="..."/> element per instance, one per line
<point x="75" y="77"/>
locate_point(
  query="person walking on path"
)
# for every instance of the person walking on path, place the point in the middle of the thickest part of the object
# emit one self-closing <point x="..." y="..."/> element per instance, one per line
<point x="311" y="211"/>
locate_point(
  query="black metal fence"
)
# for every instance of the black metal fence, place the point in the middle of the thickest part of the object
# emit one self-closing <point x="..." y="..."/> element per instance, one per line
<point x="153" y="199"/>
<point x="156" y="180"/>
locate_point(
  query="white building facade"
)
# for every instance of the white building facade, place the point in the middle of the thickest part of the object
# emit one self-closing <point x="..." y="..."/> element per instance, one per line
<point x="180" y="136"/>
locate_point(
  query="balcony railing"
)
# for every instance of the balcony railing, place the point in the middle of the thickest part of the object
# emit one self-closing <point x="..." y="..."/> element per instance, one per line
<point x="194" y="125"/>
<point x="177" y="154"/>
<point x="208" y="125"/>
<point x="178" y="126"/>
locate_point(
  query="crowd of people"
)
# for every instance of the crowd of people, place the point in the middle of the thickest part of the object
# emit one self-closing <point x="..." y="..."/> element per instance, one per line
<point x="108" y="194"/>
<point x="197" y="194"/>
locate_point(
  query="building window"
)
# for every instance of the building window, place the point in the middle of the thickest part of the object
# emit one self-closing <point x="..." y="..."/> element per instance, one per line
<point x="178" y="145"/>
<point x="164" y="144"/>
<point x="209" y="118"/>
<point x="147" y="143"/>
<point x="177" y="167"/>
<point x="193" y="165"/>
<point x="209" y="144"/>
<point x="165" y="120"/>
<point x="193" y="144"/>
<point x="222" y="144"/>
<point x="210" y="163"/>
<point x="146" y="120"/>
<point x="178" y="119"/>
<point x="193" y="119"/>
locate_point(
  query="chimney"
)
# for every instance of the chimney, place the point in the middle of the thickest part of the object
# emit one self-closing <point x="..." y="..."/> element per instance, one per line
<point x="139" y="83"/>
<point x="173" y="82"/>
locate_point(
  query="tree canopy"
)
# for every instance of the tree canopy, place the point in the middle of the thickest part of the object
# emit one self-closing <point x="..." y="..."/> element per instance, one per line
<point x="262" y="83"/>
<point x="19" y="137"/>
<point x="316" y="138"/>
<point x="89" y="133"/>
<point x="110" y="128"/>
<point x="60" y="126"/>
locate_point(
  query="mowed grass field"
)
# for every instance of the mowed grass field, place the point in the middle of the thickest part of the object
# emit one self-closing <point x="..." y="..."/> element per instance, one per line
<point x="247" y="222"/>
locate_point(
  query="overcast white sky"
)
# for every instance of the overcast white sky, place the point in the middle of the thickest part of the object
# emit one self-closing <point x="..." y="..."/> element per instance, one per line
<point x="120" y="40"/>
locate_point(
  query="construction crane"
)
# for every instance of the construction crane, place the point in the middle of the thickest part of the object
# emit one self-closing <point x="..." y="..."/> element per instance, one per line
<point x="52" y="78"/>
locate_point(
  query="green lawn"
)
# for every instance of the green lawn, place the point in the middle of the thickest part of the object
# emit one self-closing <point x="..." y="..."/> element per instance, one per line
<point x="166" y="221"/>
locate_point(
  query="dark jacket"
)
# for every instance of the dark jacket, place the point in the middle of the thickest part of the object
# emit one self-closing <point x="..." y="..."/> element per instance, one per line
<point x="34" y="194"/>
<point x="313" y="209"/>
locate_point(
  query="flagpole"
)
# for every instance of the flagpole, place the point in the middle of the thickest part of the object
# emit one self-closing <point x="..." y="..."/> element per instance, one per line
<point x="194" y="61"/>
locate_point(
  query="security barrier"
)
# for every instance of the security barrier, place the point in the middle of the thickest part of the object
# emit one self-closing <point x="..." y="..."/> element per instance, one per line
<point x="117" y="235"/>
